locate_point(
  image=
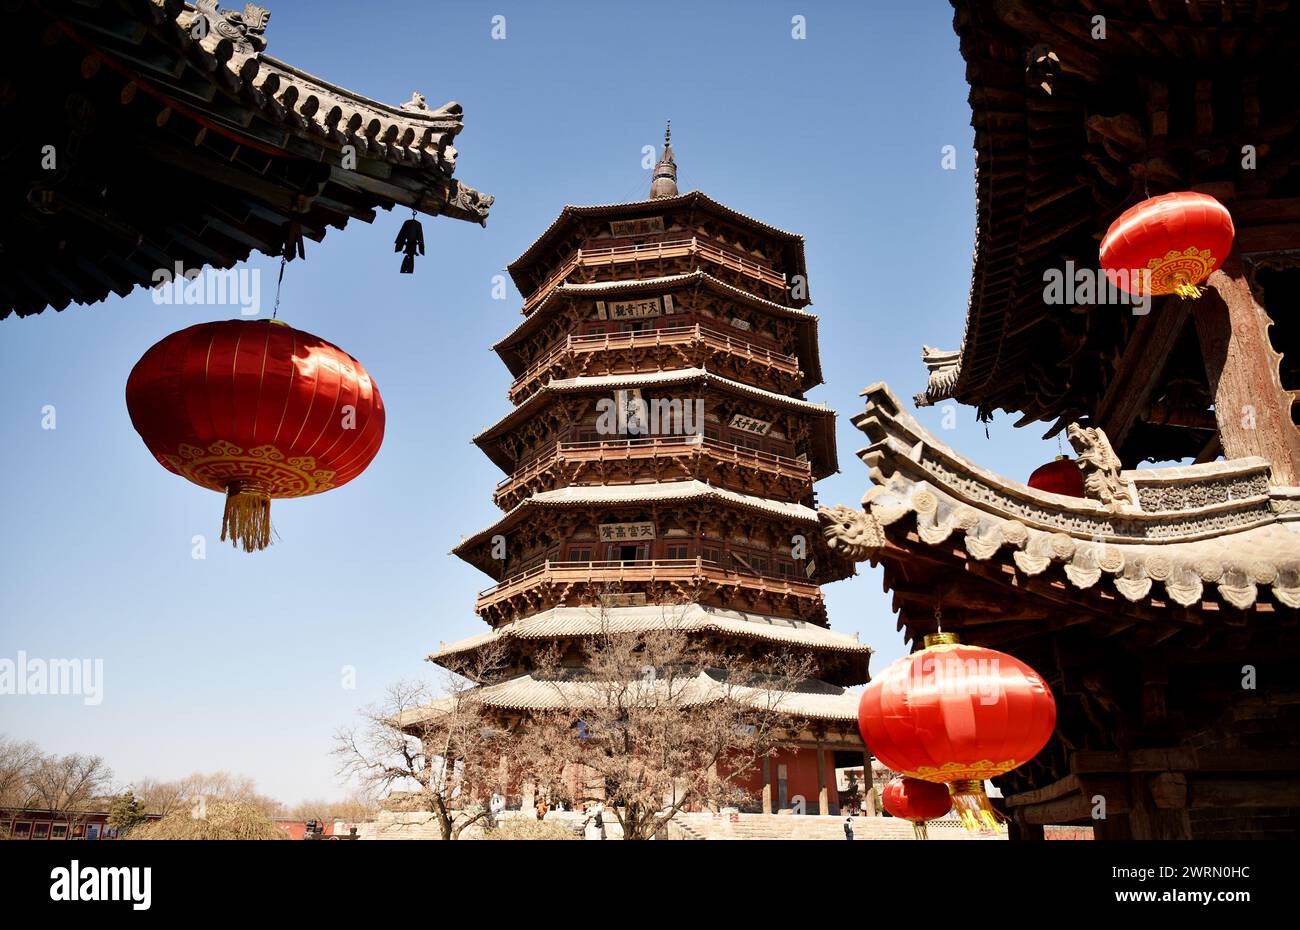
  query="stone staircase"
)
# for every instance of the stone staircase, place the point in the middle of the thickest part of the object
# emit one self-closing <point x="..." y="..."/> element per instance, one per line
<point x="813" y="827"/>
<point x="423" y="826"/>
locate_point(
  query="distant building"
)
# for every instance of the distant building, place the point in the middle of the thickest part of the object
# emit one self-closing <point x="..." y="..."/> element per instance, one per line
<point x="25" y="823"/>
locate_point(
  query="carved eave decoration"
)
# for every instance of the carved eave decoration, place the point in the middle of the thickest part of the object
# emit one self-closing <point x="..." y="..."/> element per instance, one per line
<point x="1190" y="534"/>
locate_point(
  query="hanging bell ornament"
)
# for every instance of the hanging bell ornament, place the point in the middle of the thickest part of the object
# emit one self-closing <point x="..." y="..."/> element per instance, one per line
<point x="410" y="239"/>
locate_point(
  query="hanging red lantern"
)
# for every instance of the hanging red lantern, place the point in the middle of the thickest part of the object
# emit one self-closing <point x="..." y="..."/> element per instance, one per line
<point x="957" y="715"/>
<point x="256" y="410"/>
<point x="1167" y="244"/>
<point x="1059" y="477"/>
<point x="916" y="800"/>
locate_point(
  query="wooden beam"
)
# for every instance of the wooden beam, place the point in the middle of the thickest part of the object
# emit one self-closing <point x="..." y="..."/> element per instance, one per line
<point x="1183" y="759"/>
<point x="1141" y="368"/>
<point x="1252" y="410"/>
<point x="1223" y="793"/>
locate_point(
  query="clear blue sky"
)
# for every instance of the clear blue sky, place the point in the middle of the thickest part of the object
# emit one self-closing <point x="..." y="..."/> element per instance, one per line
<point x="234" y="662"/>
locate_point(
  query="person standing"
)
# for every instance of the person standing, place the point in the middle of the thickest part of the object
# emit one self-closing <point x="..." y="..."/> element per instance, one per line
<point x="848" y="827"/>
<point x="600" y="819"/>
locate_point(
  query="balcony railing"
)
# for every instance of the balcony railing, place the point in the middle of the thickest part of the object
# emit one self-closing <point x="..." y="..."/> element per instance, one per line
<point x="649" y="447"/>
<point x="667" y="336"/>
<point x="656" y="251"/>
<point x="645" y="570"/>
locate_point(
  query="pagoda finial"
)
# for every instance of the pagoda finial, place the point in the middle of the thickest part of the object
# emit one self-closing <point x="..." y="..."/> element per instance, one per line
<point x="664" y="183"/>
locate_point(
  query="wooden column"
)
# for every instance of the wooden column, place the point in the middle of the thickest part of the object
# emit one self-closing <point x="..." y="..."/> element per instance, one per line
<point x="868" y="786"/>
<point x="823" y="796"/>
<point x="1159" y="810"/>
<point x="1252" y="410"/>
<point x="767" y="784"/>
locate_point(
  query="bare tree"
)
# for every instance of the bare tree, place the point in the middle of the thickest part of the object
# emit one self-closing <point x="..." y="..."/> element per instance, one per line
<point x="354" y="809"/>
<point x="161" y="797"/>
<point x="64" y="785"/>
<point x="445" y="744"/>
<point x="199" y="788"/>
<point x="654" y="721"/>
<point x="18" y="759"/>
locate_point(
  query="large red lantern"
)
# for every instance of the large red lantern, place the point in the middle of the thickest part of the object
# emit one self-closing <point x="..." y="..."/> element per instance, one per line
<point x="1059" y="477"/>
<point x="1167" y="245"/>
<point x="256" y="410"/>
<point x="957" y="715"/>
<point x="916" y="800"/>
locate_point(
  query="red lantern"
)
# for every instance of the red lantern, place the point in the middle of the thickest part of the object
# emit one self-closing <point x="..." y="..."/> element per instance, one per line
<point x="255" y="409"/>
<point x="916" y="800"/>
<point x="1059" y="477"/>
<point x="1177" y="238"/>
<point x="957" y="715"/>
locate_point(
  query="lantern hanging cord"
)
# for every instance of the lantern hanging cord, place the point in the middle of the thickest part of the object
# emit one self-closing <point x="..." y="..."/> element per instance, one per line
<point x="278" y="285"/>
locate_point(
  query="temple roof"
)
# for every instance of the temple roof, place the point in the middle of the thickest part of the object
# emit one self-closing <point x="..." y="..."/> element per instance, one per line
<point x="814" y="700"/>
<point x="189" y="150"/>
<point x="1203" y="537"/>
<point x="809" y="353"/>
<point x="544" y="243"/>
<point x="561" y="622"/>
<point x="824" y="458"/>
<point x="1070" y="131"/>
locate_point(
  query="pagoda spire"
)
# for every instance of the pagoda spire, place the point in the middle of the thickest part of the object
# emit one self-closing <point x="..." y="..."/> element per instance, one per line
<point x="664" y="183"/>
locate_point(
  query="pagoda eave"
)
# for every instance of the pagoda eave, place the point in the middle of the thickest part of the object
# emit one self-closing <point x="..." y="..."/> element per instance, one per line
<point x="179" y="150"/>
<point x="548" y="240"/>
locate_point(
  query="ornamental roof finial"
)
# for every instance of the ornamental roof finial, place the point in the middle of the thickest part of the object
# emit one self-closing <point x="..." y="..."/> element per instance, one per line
<point x="664" y="183"/>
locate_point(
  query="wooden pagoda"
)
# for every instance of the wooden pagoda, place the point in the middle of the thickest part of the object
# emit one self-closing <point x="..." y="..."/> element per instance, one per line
<point x="659" y="463"/>
<point x="142" y="134"/>
<point x="1161" y="608"/>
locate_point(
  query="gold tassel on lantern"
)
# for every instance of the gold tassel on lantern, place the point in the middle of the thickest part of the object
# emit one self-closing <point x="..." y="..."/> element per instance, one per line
<point x="247" y="518"/>
<point x="1185" y="288"/>
<point x="918" y="827"/>
<point x="973" y="807"/>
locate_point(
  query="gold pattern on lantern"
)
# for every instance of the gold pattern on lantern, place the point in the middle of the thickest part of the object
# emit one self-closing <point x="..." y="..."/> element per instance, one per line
<point x="224" y="463"/>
